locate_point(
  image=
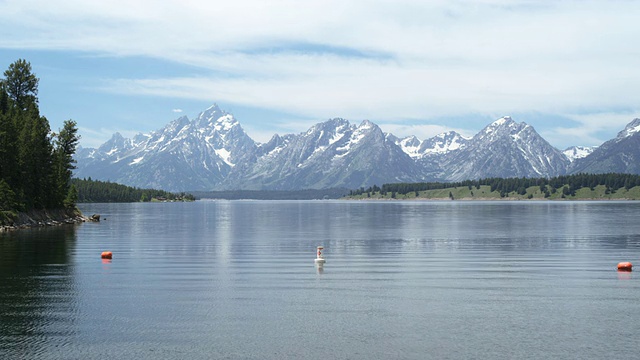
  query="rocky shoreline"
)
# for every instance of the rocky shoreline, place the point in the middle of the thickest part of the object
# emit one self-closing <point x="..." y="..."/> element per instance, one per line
<point x="41" y="218"/>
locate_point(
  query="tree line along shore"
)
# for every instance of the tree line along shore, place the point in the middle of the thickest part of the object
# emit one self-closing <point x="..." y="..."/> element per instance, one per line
<point x="95" y="191"/>
<point x="35" y="163"/>
<point x="610" y="186"/>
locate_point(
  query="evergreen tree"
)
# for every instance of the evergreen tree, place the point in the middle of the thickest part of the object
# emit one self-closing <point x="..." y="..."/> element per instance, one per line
<point x="72" y="197"/>
<point x="35" y="168"/>
<point x="66" y="142"/>
<point x="9" y="170"/>
<point x="35" y="160"/>
<point x="20" y="84"/>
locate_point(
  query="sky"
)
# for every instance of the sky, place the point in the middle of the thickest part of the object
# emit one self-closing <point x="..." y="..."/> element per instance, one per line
<point x="570" y="69"/>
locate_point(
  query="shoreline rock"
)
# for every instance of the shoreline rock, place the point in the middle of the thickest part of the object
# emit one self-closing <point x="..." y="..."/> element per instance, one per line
<point x="42" y="218"/>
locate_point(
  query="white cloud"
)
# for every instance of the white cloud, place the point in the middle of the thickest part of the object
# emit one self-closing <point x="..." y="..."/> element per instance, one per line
<point x="591" y="129"/>
<point x="178" y="111"/>
<point x="385" y="60"/>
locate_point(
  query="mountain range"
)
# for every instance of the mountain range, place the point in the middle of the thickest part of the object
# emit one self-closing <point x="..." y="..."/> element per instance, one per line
<point x="213" y="152"/>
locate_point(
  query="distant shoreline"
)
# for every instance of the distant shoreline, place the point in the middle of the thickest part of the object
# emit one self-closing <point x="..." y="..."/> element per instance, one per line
<point x="507" y="199"/>
<point x="484" y="193"/>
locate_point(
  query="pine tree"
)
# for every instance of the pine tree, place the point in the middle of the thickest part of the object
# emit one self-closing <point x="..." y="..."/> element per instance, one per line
<point x="72" y="198"/>
<point x="36" y="173"/>
<point x="35" y="160"/>
<point x="20" y="84"/>
<point x="66" y="142"/>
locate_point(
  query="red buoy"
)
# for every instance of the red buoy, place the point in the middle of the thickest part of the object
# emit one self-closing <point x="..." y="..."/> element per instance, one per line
<point x="107" y="254"/>
<point x="625" y="266"/>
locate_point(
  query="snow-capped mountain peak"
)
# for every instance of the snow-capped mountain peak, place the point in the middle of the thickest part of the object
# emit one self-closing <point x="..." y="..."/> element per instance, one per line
<point x="631" y="128"/>
<point x="213" y="152"/>
<point x="503" y="120"/>
<point x="443" y="143"/>
<point x="409" y="145"/>
<point x="505" y="148"/>
<point x="214" y="116"/>
<point x="117" y="142"/>
<point x="366" y="124"/>
<point x="440" y="144"/>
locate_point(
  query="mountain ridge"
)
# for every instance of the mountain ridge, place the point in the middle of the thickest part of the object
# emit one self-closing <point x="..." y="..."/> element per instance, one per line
<point x="213" y="152"/>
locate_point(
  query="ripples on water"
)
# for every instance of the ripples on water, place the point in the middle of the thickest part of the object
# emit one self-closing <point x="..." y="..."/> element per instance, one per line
<point x="402" y="280"/>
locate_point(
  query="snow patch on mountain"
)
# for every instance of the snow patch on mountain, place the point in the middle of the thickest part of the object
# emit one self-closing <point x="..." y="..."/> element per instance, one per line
<point x="225" y="155"/>
<point x="410" y="145"/>
<point x="578" y="152"/>
<point x="136" y="160"/>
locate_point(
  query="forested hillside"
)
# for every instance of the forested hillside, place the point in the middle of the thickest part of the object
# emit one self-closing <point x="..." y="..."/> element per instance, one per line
<point x="580" y="186"/>
<point x="35" y="163"/>
<point x="104" y="191"/>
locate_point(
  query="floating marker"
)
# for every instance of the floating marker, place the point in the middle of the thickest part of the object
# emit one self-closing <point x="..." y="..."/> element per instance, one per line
<point x="625" y="266"/>
<point x="320" y="259"/>
<point x="107" y="254"/>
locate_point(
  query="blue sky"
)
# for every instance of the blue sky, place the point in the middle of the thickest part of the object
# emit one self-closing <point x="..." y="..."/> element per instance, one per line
<point x="568" y="68"/>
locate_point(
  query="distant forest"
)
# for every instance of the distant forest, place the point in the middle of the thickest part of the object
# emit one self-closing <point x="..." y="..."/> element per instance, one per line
<point x="35" y="163"/>
<point x="93" y="191"/>
<point x="567" y="184"/>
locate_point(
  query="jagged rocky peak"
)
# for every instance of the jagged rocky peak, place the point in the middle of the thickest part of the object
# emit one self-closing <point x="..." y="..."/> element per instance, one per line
<point x="275" y="144"/>
<point x="444" y="143"/>
<point x="274" y="141"/>
<point x="631" y="128"/>
<point x="410" y="145"/>
<point x="501" y="127"/>
<point x="331" y="124"/>
<point x="176" y="125"/>
<point x="437" y="145"/>
<point x="328" y="132"/>
<point x="216" y="118"/>
<point x="451" y="137"/>
<point x="367" y="124"/>
<point x="117" y="142"/>
<point x="503" y="122"/>
<point x="410" y="141"/>
<point x="365" y="130"/>
<point x="139" y="138"/>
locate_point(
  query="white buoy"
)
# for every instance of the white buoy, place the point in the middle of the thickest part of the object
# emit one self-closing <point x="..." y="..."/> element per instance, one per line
<point x="320" y="259"/>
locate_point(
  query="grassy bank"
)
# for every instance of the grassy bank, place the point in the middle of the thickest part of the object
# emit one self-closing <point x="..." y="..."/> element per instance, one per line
<point x="484" y="193"/>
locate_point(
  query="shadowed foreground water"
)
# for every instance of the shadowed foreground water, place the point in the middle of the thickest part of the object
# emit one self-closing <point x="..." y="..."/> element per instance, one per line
<point x="410" y="280"/>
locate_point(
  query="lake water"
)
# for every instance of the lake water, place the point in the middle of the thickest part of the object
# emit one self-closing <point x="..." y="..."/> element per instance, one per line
<point x="403" y="280"/>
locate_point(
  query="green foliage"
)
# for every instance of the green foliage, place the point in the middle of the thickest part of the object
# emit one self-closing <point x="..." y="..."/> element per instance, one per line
<point x="20" y="84"/>
<point x="71" y="199"/>
<point x="35" y="164"/>
<point x="7" y="196"/>
<point x="65" y="146"/>
<point x="608" y="186"/>
<point x="92" y="191"/>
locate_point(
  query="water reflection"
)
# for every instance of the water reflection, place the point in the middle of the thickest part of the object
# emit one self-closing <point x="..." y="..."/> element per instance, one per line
<point x="37" y="295"/>
<point x="223" y="279"/>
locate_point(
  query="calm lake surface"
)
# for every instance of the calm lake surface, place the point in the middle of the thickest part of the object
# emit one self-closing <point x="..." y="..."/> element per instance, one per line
<point x="403" y="280"/>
